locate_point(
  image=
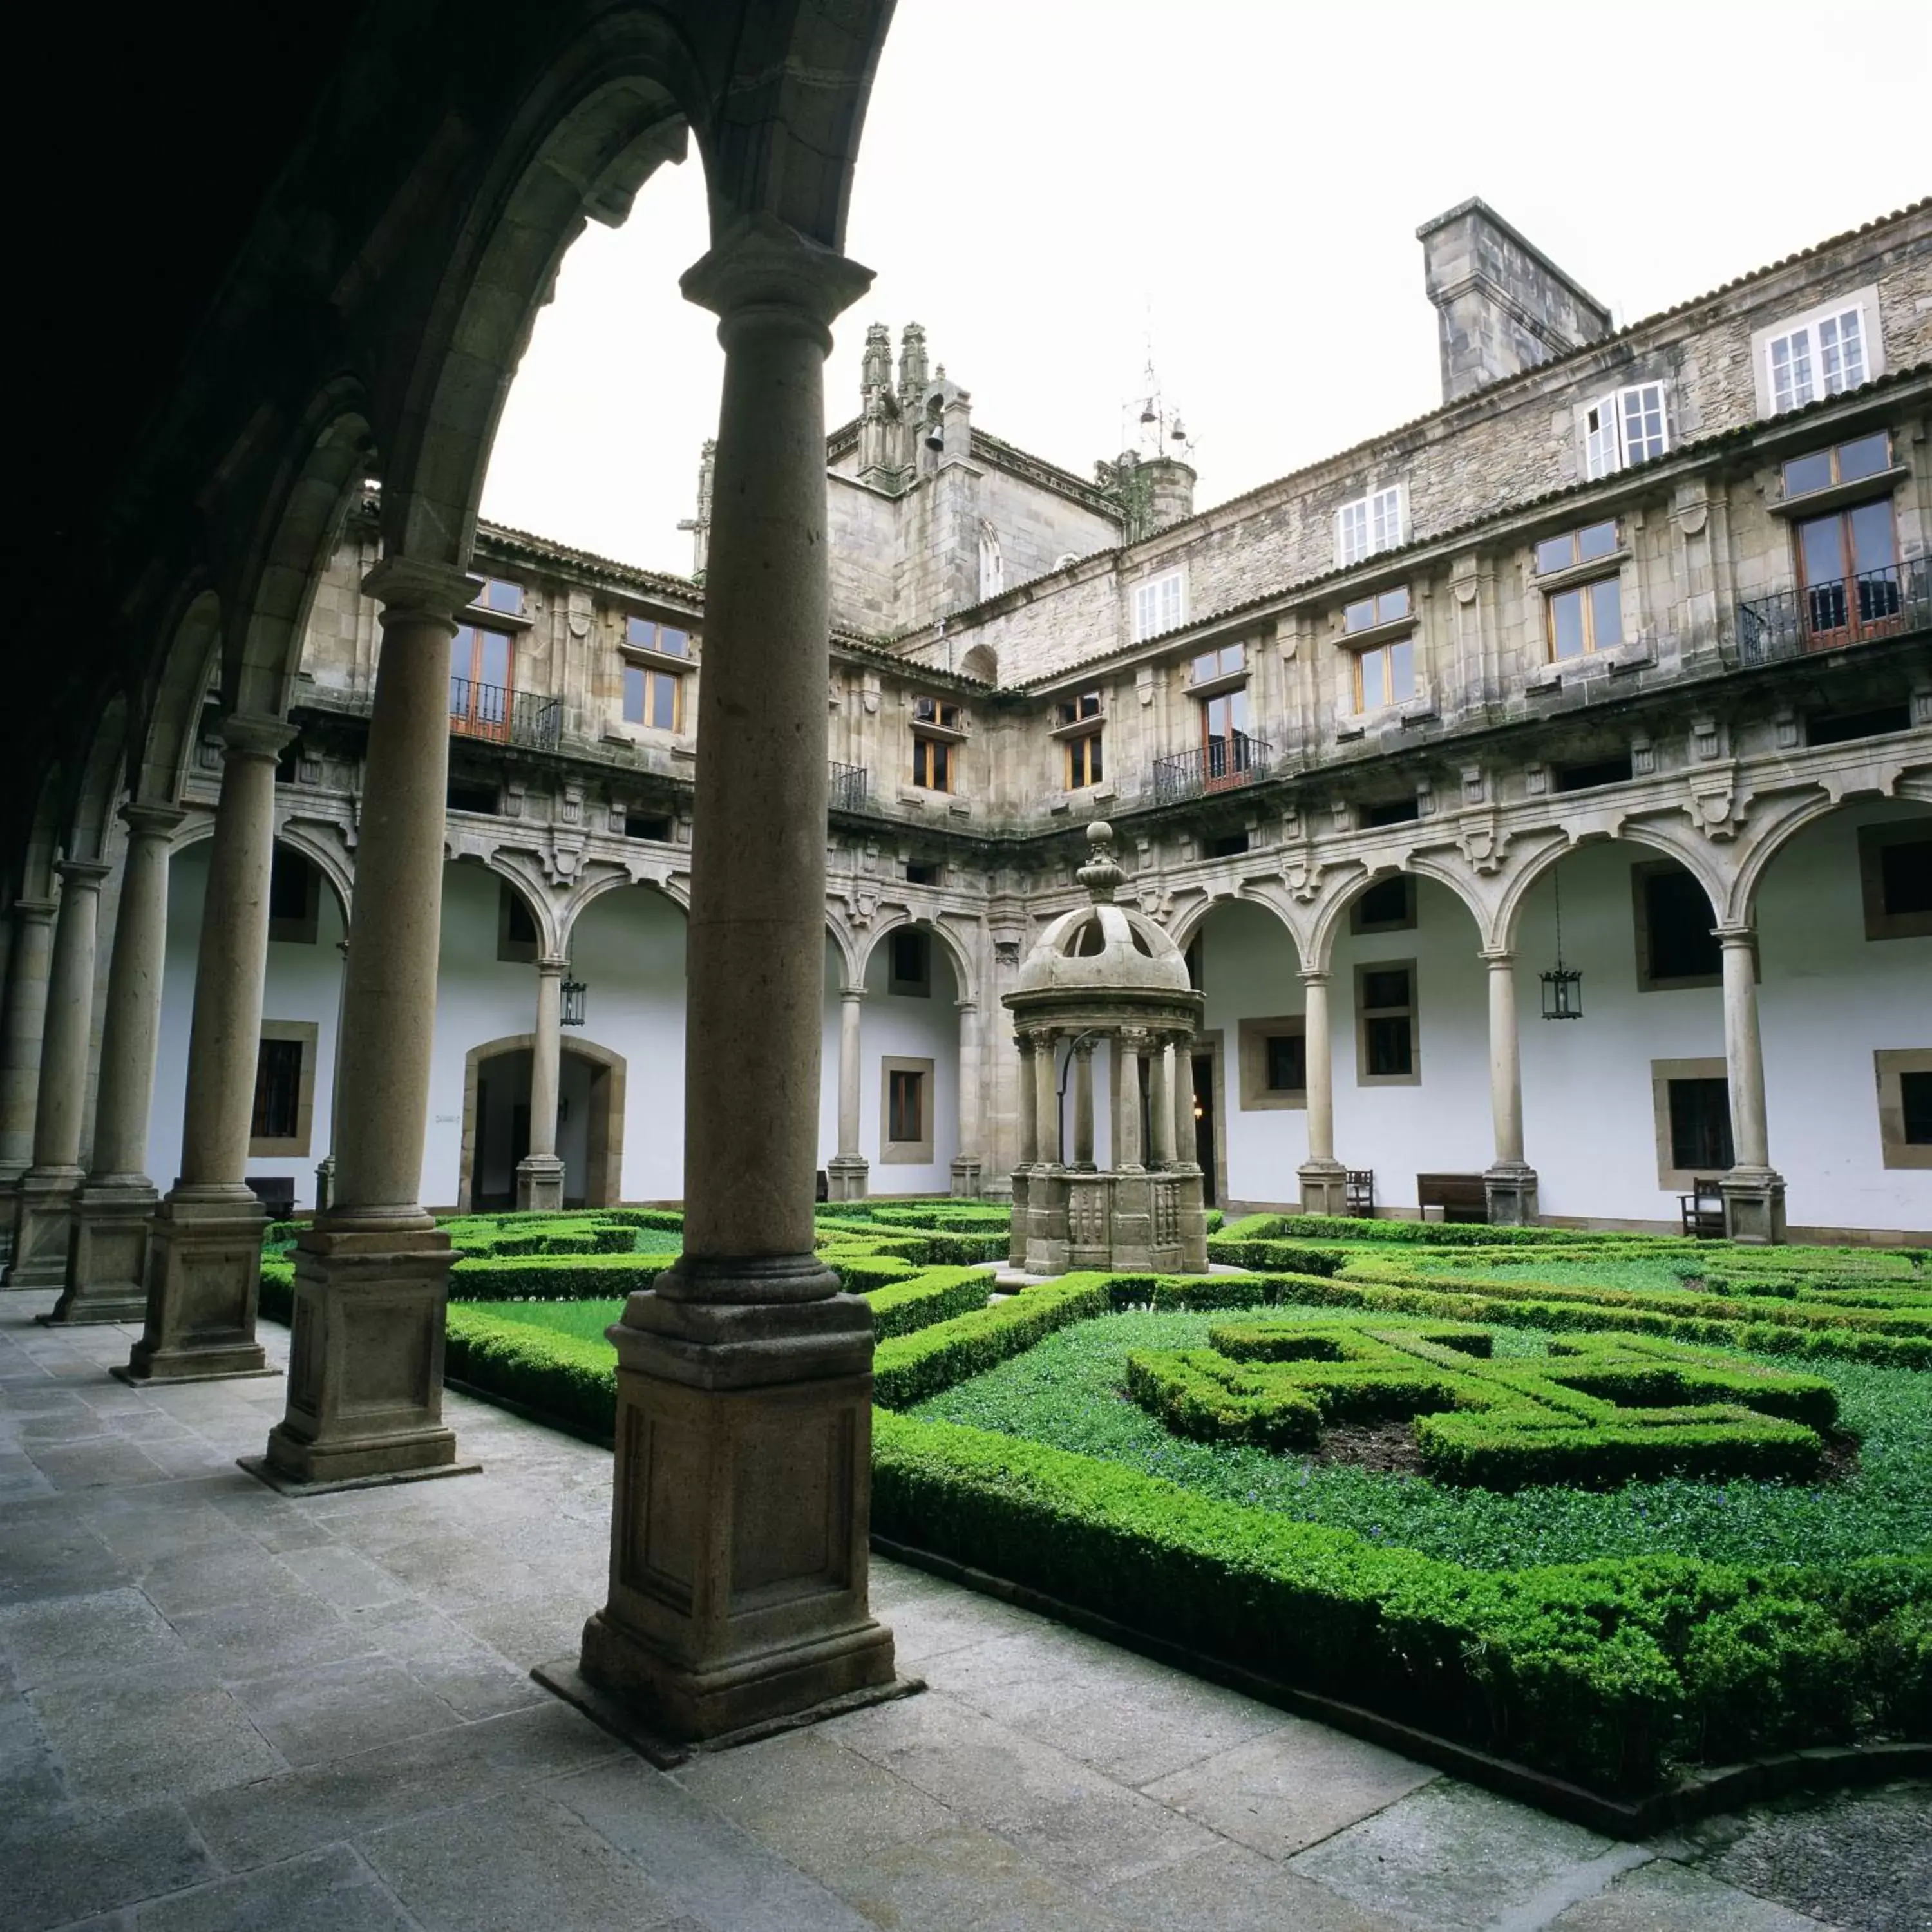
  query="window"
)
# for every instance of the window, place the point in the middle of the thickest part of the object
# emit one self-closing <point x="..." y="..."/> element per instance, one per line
<point x="1822" y="357"/>
<point x="1625" y="429"/>
<point x="1227" y="751"/>
<point x="1587" y="776"/>
<point x="1848" y="575"/>
<point x="1844" y="727"/>
<point x="1229" y="845"/>
<point x="924" y="872"/>
<point x="1386" y="1053"/>
<point x="646" y="633"/>
<point x="1895" y="879"/>
<point x="1385" y="676"/>
<point x="1386" y="607"/>
<point x="295" y="899"/>
<point x="1700" y="1125"/>
<point x="498" y="594"/>
<point x="279" y="1122"/>
<point x="1575" y="547"/>
<point x="909" y="963"/>
<point x="1846" y="462"/>
<point x="906" y="1112"/>
<point x="653" y="697"/>
<point x="1274" y="1064"/>
<point x="1160" y="604"/>
<point x="1370" y="523"/>
<point x="464" y="795"/>
<point x="1675" y="946"/>
<point x="1904" y="1078"/>
<point x="1230" y="661"/>
<point x="936" y="712"/>
<point x="1077" y="710"/>
<point x="479" y="683"/>
<point x="1388" y="906"/>
<point x="1392" y="811"/>
<point x="637" y="826"/>
<point x="931" y="763"/>
<point x="1084" y="764"/>
<point x="516" y="926"/>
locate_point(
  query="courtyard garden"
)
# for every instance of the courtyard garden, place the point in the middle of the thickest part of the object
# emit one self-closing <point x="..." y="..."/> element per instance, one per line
<point x="1618" y="1508"/>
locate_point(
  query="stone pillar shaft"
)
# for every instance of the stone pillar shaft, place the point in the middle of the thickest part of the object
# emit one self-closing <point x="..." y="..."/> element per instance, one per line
<point x="851" y="1021"/>
<point x="1744" y="1052"/>
<point x="1029" y="1113"/>
<point x="22" y="1020"/>
<point x="540" y="1173"/>
<point x="1127" y="1155"/>
<point x="1046" y="1099"/>
<point x="1083" y="1102"/>
<point x="1160" y="1104"/>
<point x="1505" y="1065"/>
<point x="1321" y="1068"/>
<point x="966" y="1162"/>
<point x="1186" y="1148"/>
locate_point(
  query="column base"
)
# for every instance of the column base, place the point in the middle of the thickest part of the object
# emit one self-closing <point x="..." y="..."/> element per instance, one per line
<point x="966" y="1177"/>
<point x="739" y="1528"/>
<point x="204" y="1272"/>
<point x="43" y="1227"/>
<point x="1016" y="1239"/>
<point x="845" y="1177"/>
<point x="540" y="1183"/>
<point x="1324" y="1187"/>
<point x="1511" y="1188"/>
<point x="107" y="1274"/>
<point x="1753" y="1204"/>
<point x="365" y="1368"/>
<point x="325" y="1183"/>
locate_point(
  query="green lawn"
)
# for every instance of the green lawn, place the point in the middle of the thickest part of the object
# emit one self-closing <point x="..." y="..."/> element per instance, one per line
<point x="1067" y="1391"/>
<point x="586" y="1320"/>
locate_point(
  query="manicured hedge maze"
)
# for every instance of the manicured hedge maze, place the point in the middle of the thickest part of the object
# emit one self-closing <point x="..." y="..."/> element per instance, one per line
<point x="1625" y="1560"/>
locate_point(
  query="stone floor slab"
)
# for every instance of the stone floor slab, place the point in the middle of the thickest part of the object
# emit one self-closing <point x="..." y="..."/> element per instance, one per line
<point x="55" y="1877"/>
<point x="325" y="1711"/>
<point x="1231" y="1889"/>
<point x="1664" y="1897"/>
<point x="53" y="1643"/>
<point x="330" y="1890"/>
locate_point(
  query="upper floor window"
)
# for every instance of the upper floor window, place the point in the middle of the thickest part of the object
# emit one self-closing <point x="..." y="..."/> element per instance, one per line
<point x="1389" y="607"/>
<point x="1574" y="546"/>
<point x="499" y="593"/>
<point x="1370" y="523"/>
<point x="479" y="682"/>
<point x="1085" y="765"/>
<point x="1847" y="463"/>
<point x="1822" y="357"/>
<point x="646" y="633"/>
<point x="1077" y="710"/>
<point x="1628" y="428"/>
<point x="653" y="697"/>
<point x="1587" y="616"/>
<point x="1385" y="676"/>
<point x="1230" y="661"/>
<point x="935" y="711"/>
<point x="1160" y="604"/>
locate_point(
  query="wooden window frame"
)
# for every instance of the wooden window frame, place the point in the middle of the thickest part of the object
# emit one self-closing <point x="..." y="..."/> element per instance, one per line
<point x="1387" y="653"/>
<point x="1585" y="593"/>
<point x="473" y="722"/>
<point x="906" y="1154"/>
<point x="1252" y="1046"/>
<point x="1643" y="870"/>
<point x="1851" y="584"/>
<point x="1873" y="840"/>
<point x="1364" y="1013"/>
<point x="1086" y="761"/>
<point x="269" y="1146"/>
<point x="1888" y="1064"/>
<point x="935" y="755"/>
<point x="647" y="673"/>
<point x="1671" y="1178"/>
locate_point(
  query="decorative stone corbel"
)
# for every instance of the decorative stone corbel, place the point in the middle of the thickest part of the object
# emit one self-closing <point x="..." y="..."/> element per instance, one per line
<point x="1484" y="841"/>
<point x="1715" y="807"/>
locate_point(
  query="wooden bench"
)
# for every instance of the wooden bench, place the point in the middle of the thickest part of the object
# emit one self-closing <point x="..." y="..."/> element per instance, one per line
<point x="1462" y="1197"/>
<point x="1361" y="1191"/>
<point x="1703" y="1209"/>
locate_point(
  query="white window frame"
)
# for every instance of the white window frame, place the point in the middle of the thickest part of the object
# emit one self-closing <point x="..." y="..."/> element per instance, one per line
<point x="1609" y="443"/>
<point x="1805" y="358"/>
<point x="1159" y="605"/>
<point x="1370" y="524"/>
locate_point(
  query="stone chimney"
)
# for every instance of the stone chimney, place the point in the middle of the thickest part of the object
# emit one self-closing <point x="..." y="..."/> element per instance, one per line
<point x="1504" y="305"/>
<point x="1171" y="485"/>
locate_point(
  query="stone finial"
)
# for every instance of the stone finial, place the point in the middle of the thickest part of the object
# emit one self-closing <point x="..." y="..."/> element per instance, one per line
<point x="1101" y="874"/>
<point x="876" y="373"/>
<point x="912" y="363"/>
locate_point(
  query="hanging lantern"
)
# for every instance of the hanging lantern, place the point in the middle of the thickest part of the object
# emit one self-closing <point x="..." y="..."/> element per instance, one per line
<point x="572" y="1003"/>
<point x="1562" y="985"/>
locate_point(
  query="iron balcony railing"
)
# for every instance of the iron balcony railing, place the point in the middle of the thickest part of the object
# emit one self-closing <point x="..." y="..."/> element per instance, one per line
<point x="848" y="788"/>
<point x="1222" y="764"/>
<point x="1828" y="615"/>
<point x="505" y="717"/>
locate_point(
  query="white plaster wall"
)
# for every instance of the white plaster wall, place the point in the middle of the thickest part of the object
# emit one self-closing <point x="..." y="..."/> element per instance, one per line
<point x="1249" y="968"/>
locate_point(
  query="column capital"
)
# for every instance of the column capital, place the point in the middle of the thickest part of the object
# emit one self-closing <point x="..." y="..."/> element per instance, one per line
<point x="1025" y="1045"/>
<point x="968" y="1006"/>
<point x="144" y="819"/>
<point x="1498" y="958"/>
<point x="762" y="272"/>
<point x="35" y="912"/>
<point x="1314" y="978"/>
<point x="250" y="734"/>
<point x="854" y="994"/>
<point x="1084" y="1043"/>
<point x="87" y="873"/>
<point x="411" y="593"/>
<point x="552" y="966"/>
<point x="1736" y="935"/>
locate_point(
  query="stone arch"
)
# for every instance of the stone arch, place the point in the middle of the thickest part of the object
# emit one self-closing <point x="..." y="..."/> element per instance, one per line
<point x="586" y="892"/>
<point x="87" y="818"/>
<point x="607" y="1150"/>
<point x="1739" y="906"/>
<point x="1192" y="918"/>
<point x="850" y="965"/>
<point x="1321" y="944"/>
<point x="1688" y="852"/>
<point x="169" y="711"/>
<point x="291" y="550"/>
<point x="527" y="883"/>
<point x="328" y="857"/>
<point x="982" y="661"/>
<point x="964" y="977"/>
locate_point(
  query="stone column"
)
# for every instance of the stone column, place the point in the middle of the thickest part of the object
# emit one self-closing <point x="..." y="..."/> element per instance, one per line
<point x="744" y="1381"/>
<point x="540" y="1173"/>
<point x="324" y="1169"/>
<point x="1325" y="1180"/>
<point x="372" y="1275"/>
<point x="1185" y="1147"/>
<point x="966" y="1162"/>
<point x="845" y="1173"/>
<point x="1046" y="1100"/>
<point x="1160" y="1104"/>
<point x="1127" y="1154"/>
<point x="1083" y="1102"/>
<point x="1190" y="1184"/>
<point x="44" y="1216"/>
<point x="107" y="1263"/>
<point x="204" y="1244"/>
<point x="1029" y="1127"/>
<point x="1509" y="1182"/>
<point x="22" y="1017"/>
<point x="1754" y="1190"/>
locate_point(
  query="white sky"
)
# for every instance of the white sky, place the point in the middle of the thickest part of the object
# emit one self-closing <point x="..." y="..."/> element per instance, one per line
<point x="1043" y="182"/>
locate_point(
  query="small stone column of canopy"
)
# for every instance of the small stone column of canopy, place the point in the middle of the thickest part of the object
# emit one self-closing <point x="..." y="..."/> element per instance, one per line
<point x="23" y="1012"/>
<point x="205" y="1245"/>
<point x="966" y="1163"/>
<point x="372" y="1275"/>
<point x="43" y="1215"/>
<point x="540" y="1173"/>
<point x="1754" y="1190"/>
<point x="1083" y="1101"/>
<point x="1510" y="1182"/>
<point x="845" y="1173"/>
<point x="1325" y="1180"/>
<point x="107" y="1276"/>
<point x="1029" y="1128"/>
<point x="744" y="1381"/>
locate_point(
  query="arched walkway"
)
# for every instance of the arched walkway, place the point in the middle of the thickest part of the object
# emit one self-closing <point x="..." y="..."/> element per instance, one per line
<point x="592" y="1094"/>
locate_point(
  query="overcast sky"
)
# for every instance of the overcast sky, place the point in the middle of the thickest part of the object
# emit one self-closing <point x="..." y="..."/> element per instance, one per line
<point x="1050" y="186"/>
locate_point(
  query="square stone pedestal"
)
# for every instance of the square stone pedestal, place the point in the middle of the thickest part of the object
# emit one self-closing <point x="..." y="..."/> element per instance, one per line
<point x="43" y="1225"/>
<point x="204" y="1274"/>
<point x="845" y="1177"/>
<point x="965" y="1177"/>
<point x="739" y="1533"/>
<point x="1324" y="1187"/>
<point x="365" y="1361"/>
<point x="108" y="1281"/>
<point x="540" y="1182"/>
<point x="1047" y="1241"/>
<point x="1511" y="1193"/>
<point x="1016" y="1240"/>
<point x="1753" y="1204"/>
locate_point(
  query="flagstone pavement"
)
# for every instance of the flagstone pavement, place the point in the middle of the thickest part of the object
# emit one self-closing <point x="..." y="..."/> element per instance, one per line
<point x="223" y="1707"/>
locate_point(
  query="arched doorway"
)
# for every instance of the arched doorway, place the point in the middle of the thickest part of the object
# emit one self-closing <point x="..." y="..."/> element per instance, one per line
<point x="496" y="1123"/>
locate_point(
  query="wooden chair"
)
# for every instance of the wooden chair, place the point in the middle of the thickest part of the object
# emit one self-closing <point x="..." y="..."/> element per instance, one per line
<point x="1361" y="1194"/>
<point x="1703" y="1209"/>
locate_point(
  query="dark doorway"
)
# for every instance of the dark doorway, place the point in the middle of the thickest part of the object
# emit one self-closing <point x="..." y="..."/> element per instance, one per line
<point x="1203" y="1125"/>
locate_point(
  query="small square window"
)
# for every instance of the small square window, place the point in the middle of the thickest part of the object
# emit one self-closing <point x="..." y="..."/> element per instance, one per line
<point x="1629" y="427"/>
<point x="1288" y="1063"/>
<point x="1390" y="607"/>
<point x="1230" y="661"/>
<point x="1274" y="1064"/>
<point x="1822" y="357"/>
<point x="910" y="963"/>
<point x="1385" y="1010"/>
<point x="923" y="872"/>
<point x="1700" y="1126"/>
<point x="658" y="829"/>
<point x="1072" y="710"/>
<point x="906" y="1109"/>
<point x="1370" y="524"/>
<point x="1895" y="879"/>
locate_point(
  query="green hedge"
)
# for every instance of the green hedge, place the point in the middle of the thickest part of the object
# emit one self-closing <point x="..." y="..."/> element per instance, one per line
<point x="552" y="1277"/>
<point x="908" y="1368"/>
<point x="560" y="1376"/>
<point x="1431" y="1234"/>
<point x="936" y="1296"/>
